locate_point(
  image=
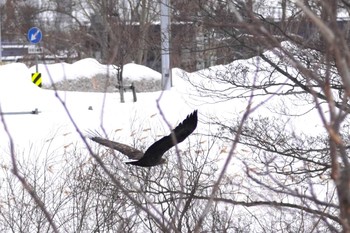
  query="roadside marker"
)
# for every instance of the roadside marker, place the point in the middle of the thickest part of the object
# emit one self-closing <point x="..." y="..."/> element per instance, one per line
<point x="36" y="79"/>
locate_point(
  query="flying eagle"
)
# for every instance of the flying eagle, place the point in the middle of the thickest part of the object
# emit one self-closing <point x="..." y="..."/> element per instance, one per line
<point x="153" y="155"/>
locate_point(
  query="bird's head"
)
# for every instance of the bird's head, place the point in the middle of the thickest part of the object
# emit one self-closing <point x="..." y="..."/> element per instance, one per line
<point x="163" y="161"/>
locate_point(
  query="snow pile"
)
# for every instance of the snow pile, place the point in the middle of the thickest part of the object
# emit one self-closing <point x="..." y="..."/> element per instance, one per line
<point x="89" y="68"/>
<point x="86" y="68"/>
<point x="137" y="72"/>
<point x="17" y="90"/>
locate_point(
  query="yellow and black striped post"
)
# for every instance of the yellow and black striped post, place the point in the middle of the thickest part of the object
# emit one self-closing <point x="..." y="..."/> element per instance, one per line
<point x="36" y="79"/>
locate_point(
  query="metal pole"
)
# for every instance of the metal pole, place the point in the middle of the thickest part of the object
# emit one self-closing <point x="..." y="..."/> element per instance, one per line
<point x="36" y="63"/>
<point x="165" y="44"/>
<point x="0" y="36"/>
<point x="35" y="112"/>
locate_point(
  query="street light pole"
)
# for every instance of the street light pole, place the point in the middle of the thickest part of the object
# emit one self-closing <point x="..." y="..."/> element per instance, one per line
<point x="165" y="44"/>
<point x="0" y="36"/>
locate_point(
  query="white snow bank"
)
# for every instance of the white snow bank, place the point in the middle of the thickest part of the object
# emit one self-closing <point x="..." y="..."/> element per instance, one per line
<point x="85" y="68"/>
<point x="88" y="68"/>
<point x="137" y="72"/>
<point x="17" y="90"/>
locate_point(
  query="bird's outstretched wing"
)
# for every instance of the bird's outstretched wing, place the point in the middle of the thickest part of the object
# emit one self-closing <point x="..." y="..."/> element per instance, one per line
<point x="153" y="155"/>
<point x="129" y="151"/>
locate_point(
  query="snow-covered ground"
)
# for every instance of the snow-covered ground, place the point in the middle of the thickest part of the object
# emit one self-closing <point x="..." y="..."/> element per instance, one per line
<point x="93" y="111"/>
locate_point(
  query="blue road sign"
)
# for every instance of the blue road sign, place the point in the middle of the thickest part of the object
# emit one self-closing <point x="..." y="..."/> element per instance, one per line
<point x="34" y="35"/>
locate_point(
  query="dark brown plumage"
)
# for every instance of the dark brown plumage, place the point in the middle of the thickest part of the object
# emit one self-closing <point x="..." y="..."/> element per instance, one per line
<point x="153" y="155"/>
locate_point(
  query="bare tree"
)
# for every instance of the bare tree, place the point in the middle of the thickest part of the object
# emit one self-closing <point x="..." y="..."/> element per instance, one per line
<point x="309" y="66"/>
<point x="298" y="61"/>
<point x="17" y="17"/>
<point x="118" y="30"/>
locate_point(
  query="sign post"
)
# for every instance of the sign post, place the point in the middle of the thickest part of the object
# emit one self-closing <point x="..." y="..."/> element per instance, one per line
<point x="34" y="36"/>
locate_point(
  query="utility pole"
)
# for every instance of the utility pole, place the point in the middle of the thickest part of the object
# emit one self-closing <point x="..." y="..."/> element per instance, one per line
<point x="165" y="44"/>
<point x="0" y="36"/>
